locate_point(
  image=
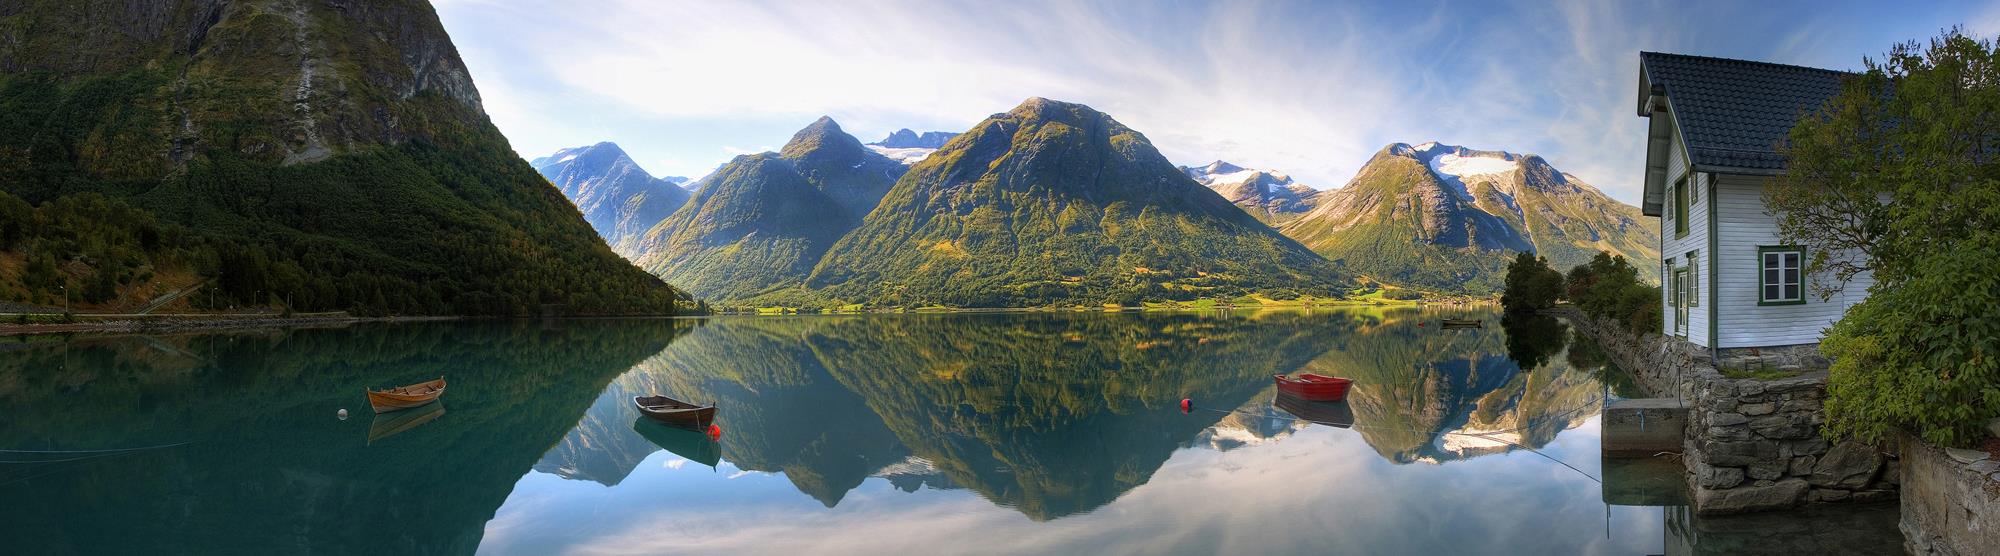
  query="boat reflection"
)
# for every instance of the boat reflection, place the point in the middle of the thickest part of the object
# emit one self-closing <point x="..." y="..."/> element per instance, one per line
<point x="394" y="423"/>
<point x="686" y="443"/>
<point x="1332" y="414"/>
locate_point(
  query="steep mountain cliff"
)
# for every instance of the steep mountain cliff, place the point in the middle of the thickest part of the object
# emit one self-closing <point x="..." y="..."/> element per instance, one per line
<point x="616" y="196"/>
<point x="327" y="155"/>
<point x="1054" y="202"/>
<point x="1449" y="217"/>
<point x="762" y="221"/>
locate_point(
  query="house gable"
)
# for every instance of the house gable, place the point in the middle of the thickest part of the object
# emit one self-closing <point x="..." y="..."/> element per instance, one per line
<point x="1714" y="131"/>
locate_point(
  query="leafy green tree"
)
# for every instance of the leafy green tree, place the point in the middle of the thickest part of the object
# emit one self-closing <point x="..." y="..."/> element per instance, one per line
<point x="1531" y="284"/>
<point x="1898" y="177"/>
<point x="1609" y="287"/>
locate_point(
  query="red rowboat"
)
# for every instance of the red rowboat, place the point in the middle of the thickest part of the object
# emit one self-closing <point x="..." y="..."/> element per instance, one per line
<point x="1315" y="388"/>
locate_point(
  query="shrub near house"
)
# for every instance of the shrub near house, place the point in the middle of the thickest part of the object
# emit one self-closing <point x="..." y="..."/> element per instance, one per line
<point x="1906" y="186"/>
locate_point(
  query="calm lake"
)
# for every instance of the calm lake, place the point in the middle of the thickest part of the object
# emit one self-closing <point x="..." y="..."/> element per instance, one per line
<point x="1024" y="433"/>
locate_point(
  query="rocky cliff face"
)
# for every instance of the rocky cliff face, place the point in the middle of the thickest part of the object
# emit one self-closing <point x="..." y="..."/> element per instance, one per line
<point x="276" y="80"/>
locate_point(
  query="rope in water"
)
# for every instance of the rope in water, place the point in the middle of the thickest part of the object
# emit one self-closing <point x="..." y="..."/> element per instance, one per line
<point x="109" y="450"/>
<point x="1485" y="435"/>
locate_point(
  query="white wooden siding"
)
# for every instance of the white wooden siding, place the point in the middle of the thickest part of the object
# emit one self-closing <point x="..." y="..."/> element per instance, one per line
<point x="1742" y="227"/>
<point x="1675" y="249"/>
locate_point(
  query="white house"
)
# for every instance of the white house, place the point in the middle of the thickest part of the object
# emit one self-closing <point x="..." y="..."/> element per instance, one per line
<point x="1730" y="285"/>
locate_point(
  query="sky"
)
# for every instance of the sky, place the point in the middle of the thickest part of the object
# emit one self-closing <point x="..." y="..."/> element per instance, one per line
<point x="1312" y="89"/>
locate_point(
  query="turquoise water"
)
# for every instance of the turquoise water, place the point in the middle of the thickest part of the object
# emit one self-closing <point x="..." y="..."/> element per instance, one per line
<point x="965" y="433"/>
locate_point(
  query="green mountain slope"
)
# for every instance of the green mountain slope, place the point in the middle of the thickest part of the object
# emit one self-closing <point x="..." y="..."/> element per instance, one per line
<point x="332" y="155"/>
<point x="762" y="221"/>
<point x="1449" y="218"/>
<point x="1056" y="203"/>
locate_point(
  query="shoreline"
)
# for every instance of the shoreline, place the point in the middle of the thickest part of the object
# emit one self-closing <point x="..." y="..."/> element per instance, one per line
<point x="125" y="324"/>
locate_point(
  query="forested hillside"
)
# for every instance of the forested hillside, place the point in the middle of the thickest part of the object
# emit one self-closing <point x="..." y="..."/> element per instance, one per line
<point x="325" y="156"/>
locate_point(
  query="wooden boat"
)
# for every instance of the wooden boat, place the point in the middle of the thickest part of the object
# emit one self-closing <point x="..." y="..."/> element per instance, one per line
<point x="1460" y="323"/>
<point x="405" y="397"/>
<point x="401" y="421"/>
<point x="1312" y="387"/>
<point x="693" y="445"/>
<point x="1332" y="414"/>
<point x="676" y="412"/>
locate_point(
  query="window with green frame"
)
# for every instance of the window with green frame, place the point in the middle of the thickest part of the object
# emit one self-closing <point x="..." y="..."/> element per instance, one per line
<point x="1681" y="207"/>
<point x="1694" y="279"/>
<point x="1780" y="275"/>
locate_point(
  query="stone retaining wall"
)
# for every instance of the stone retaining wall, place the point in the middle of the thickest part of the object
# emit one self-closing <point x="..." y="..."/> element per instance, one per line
<point x="1750" y="445"/>
<point x="1951" y="500"/>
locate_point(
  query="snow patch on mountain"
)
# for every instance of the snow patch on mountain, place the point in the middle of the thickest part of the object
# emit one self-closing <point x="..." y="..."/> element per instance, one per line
<point x="905" y="155"/>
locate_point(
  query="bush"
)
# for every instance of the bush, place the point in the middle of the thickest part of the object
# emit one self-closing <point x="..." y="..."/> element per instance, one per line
<point x="1915" y="134"/>
<point x="1609" y="287"/>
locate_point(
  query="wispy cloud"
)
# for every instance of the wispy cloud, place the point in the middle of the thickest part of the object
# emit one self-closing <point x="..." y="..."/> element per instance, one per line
<point x="1311" y="89"/>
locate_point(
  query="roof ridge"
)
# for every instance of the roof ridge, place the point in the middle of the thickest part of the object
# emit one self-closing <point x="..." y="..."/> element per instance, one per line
<point x="1645" y="53"/>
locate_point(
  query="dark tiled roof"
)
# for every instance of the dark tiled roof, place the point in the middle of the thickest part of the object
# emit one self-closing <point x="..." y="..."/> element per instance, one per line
<point x="1733" y="113"/>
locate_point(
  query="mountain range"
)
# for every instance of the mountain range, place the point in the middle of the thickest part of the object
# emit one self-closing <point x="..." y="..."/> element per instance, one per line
<point x="763" y="220"/>
<point x="1447" y="217"/>
<point x="617" y="197"/>
<point x="908" y="147"/>
<point x="1056" y="203"/>
<point x="318" y="155"/>
<point x="1270" y="196"/>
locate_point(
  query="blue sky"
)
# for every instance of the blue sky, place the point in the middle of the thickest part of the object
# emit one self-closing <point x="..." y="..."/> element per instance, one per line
<point x="1310" y="88"/>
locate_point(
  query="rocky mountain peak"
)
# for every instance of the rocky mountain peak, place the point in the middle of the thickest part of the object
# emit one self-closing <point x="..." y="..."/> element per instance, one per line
<point x="822" y="136"/>
<point x="906" y="139"/>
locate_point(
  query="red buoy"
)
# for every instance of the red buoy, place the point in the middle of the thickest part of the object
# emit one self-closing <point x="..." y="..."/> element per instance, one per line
<point x="715" y="431"/>
<point x="1187" y="405"/>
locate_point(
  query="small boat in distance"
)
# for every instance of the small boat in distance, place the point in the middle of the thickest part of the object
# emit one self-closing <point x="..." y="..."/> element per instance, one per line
<point x="672" y="411"/>
<point x="1460" y="323"/>
<point x="1314" y="388"/>
<point x="405" y="397"/>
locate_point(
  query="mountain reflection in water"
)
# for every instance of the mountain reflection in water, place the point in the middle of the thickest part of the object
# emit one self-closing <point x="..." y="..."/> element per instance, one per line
<point x="1056" y="414"/>
<point x="1020" y="432"/>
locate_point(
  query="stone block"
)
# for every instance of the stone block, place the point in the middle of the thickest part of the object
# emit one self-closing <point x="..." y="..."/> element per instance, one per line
<point x="1966" y="456"/>
<point x="1848" y="465"/>
<point x="1819" y="495"/>
<point x="1643" y="427"/>
<point x="1808" y="447"/>
<point x="1727" y="419"/>
<point x="1780" y="494"/>
<point x="1767" y="470"/>
<point x="1780" y="427"/>
<point x="1802" y="465"/>
<point x="1739" y="453"/>
<point x="1709" y="476"/>
<point x="1729" y="433"/>
<point x="1764" y="408"/>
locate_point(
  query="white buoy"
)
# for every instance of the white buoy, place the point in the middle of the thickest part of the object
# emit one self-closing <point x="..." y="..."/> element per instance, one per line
<point x="343" y="414"/>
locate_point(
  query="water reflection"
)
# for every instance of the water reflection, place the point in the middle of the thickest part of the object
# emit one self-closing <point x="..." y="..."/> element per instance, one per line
<point x="1059" y="414"/>
<point x="268" y="468"/>
<point x="897" y="433"/>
